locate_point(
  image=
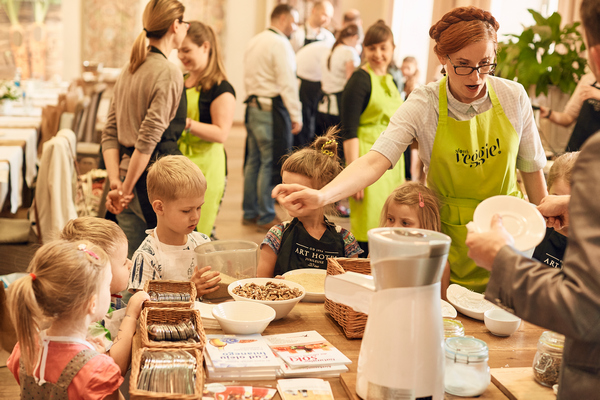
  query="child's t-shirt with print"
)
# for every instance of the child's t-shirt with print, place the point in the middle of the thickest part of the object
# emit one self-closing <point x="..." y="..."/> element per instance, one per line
<point x="154" y="260"/>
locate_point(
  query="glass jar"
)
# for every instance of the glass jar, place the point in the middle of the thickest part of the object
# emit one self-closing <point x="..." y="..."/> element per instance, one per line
<point x="467" y="371"/>
<point x="453" y="328"/>
<point x="547" y="360"/>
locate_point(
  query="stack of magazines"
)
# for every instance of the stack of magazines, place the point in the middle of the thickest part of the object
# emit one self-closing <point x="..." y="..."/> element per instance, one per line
<point x="256" y="357"/>
<point x="240" y="357"/>
<point x="307" y="354"/>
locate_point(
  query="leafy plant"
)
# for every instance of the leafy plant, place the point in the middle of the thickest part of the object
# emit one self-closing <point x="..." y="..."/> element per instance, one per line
<point x="543" y="55"/>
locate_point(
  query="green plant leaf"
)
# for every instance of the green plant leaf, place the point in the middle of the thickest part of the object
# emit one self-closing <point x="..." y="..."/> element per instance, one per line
<point x="539" y="19"/>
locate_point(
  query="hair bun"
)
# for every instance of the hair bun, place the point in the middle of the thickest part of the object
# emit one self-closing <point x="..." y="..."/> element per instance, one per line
<point x="327" y="144"/>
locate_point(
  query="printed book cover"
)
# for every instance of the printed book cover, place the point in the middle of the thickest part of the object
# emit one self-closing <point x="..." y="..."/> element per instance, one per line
<point x="240" y="351"/>
<point x="306" y="349"/>
<point x="218" y="391"/>
<point x="304" y="389"/>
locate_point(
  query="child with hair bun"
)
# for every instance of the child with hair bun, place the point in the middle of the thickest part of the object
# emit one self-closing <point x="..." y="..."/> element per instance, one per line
<point x="414" y="205"/>
<point x="310" y="238"/>
<point x="117" y="328"/>
<point x="68" y="285"/>
<point x="552" y="249"/>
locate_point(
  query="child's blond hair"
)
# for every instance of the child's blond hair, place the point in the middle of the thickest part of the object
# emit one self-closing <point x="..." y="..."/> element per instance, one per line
<point x="174" y="177"/>
<point x="414" y="194"/>
<point x="63" y="278"/>
<point x="101" y="232"/>
<point x="562" y="168"/>
<point x="319" y="162"/>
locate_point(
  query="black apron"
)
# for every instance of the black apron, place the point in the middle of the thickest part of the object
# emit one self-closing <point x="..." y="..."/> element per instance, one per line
<point x="310" y="94"/>
<point x="300" y="250"/>
<point x="166" y="146"/>
<point x="588" y="123"/>
<point x="282" y="134"/>
<point x="552" y="249"/>
<point x="308" y="41"/>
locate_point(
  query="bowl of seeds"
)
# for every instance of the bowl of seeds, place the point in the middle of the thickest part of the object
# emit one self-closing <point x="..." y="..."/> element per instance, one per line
<point x="279" y="294"/>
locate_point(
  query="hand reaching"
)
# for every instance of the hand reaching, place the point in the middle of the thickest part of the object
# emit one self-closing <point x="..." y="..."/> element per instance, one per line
<point x="206" y="282"/>
<point x="483" y="247"/>
<point x="555" y="210"/>
<point x="134" y="306"/>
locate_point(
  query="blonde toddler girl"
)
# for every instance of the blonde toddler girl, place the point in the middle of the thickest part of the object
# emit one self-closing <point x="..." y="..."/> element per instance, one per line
<point x="68" y="286"/>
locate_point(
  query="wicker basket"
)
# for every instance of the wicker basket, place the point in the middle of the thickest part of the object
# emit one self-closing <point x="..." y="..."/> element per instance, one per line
<point x="135" y="393"/>
<point x="353" y="323"/>
<point x="171" y="287"/>
<point x="170" y="316"/>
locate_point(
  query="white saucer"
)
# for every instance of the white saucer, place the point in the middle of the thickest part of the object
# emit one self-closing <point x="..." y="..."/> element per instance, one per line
<point x="467" y="302"/>
<point x="520" y="218"/>
<point x="447" y="310"/>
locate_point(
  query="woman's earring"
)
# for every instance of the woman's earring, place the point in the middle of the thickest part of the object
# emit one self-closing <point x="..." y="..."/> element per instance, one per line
<point x="443" y="71"/>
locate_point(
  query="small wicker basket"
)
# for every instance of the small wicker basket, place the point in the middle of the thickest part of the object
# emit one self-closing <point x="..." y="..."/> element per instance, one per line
<point x="138" y="394"/>
<point x="170" y="316"/>
<point x="171" y="287"/>
<point x="353" y="323"/>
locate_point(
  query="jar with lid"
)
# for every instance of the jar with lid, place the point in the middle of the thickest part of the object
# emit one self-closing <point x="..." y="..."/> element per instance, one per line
<point x="547" y="360"/>
<point x="453" y="328"/>
<point x="467" y="371"/>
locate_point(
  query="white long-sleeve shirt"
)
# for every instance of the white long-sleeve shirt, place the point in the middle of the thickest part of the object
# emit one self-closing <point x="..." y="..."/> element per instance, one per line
<point x="270" y="70"/>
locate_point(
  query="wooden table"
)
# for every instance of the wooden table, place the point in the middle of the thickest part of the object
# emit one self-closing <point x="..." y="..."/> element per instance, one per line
<point x="517" y="350"/>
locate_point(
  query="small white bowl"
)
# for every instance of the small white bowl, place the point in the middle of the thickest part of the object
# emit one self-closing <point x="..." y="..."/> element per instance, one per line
<point x="243" y="317"/>
<point x="500" y="322"/>
<point x="281" y="307"/>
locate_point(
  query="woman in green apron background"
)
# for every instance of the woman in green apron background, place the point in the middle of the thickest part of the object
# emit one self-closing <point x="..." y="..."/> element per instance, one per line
<point x="369" y="100"/>
<point x="474" y="132"/>
<point x="210" y="107"/>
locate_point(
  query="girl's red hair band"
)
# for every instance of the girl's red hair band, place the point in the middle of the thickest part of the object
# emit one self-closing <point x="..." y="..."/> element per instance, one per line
<point x="32" y="276"/>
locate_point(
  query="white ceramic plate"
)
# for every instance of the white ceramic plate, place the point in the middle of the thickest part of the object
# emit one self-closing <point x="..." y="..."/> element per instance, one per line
<point x="447" y="310"/>
<point x="469" y="303"/>
<point x="520" y="218"/>
<point x="311" y="297"/>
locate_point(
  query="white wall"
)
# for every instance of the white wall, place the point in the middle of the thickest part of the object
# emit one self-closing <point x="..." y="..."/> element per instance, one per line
<point x="410" y="24"/>
<point x="244" y="19"/>
<point x="71" y="19"/>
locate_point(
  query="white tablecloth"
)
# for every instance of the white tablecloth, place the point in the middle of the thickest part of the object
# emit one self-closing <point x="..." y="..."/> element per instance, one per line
<point x="20" y="122"/>
<point x="13" y="176"/>
<point x="29" y="135"/>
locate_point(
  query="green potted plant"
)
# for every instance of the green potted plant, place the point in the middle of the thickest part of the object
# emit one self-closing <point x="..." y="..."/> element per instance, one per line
<point x="543" y="55"/>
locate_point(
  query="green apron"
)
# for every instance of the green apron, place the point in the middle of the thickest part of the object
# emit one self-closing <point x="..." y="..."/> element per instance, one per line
<point x="471" y="161"/>
<point x="210" y="158"/>
<point x="383" y="103"/>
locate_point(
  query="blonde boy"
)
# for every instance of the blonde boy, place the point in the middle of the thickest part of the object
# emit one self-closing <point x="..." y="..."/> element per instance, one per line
<point x="176" y="188"/>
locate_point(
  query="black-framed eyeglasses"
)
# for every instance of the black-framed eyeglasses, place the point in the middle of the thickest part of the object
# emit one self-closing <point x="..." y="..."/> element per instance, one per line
<point x="464" y="70"/>
<point x="184" y="22"/>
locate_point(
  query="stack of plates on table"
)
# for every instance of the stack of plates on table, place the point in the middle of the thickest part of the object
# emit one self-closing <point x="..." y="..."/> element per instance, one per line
<point x="208" y="321"/>
<point x="469" y="303"/>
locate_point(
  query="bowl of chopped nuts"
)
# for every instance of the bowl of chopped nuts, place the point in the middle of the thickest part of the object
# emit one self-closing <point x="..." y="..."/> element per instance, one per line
<point x="281" y="295"/>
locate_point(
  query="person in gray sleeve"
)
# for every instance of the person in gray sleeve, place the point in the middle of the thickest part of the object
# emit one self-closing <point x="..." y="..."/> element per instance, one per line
<point x="568" y="300"/>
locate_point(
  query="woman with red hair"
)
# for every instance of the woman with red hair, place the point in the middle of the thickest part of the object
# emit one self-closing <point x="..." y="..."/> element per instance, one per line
<point x="474" y="131"/>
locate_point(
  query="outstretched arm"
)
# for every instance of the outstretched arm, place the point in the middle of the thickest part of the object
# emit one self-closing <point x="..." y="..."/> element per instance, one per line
<point x="355" y="177"/>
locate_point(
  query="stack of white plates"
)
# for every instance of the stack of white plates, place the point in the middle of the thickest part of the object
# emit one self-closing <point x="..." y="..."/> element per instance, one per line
<point x="208" y="321"/>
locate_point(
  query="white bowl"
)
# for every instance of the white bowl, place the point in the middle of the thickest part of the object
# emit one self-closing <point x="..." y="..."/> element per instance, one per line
<point x="243" y="317"/>
<point x="500" y="322"/>
<point x="281" y="307"/>
<point x="467" y="302"/>
<point x="311" y="297"/>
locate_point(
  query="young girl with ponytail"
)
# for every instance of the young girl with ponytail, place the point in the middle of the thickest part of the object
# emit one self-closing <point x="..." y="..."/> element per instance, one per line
<point x="146" y="117"/>
<point x="310" y="238"/>
<point x="68" y="287"/>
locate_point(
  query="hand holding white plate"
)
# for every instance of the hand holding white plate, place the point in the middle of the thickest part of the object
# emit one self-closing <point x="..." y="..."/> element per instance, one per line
<point x="520" y="218"/>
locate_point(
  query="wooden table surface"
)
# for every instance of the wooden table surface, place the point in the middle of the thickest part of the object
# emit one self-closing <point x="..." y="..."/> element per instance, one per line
<point x="516" y="350"/>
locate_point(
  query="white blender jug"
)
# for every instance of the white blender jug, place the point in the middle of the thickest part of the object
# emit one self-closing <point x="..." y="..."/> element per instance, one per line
<point x="402" y="351"/>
